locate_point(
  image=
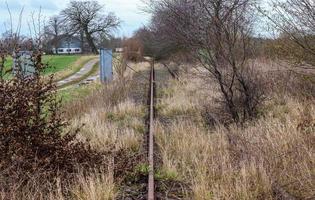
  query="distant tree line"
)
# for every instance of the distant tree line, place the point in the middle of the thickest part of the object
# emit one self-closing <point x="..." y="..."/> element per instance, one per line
<point x="292" y="20"/>
<point x="220" y="35"/>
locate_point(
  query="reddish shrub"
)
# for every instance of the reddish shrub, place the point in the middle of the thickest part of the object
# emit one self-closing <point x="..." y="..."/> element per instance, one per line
<point x="31" y="131"/>
<point x="133" y="49"/>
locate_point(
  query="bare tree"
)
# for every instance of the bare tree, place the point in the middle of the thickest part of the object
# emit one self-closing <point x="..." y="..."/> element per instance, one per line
<point x="9" y="42"/>
<point x="156" y="42"/>
<point x="52" y="31"/>
<point x="219" y="32"/>
<point x="87" y="17"/>
<point x="12" y="35"/>
<point x="295" y="20"/>
<point x="54" y="26"/>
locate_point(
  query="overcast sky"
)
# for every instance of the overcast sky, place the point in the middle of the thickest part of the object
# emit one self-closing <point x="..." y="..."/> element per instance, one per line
<point x="129" y="11"/>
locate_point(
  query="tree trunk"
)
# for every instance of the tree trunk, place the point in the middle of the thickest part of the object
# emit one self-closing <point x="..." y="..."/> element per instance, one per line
<point x="91" y="42"/>
<point x="82" y="40"/>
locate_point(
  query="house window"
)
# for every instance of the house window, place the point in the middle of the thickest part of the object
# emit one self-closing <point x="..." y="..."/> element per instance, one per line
<point x="60" y="50"/>
<point x="77" y="50"/>
<point x="68" y="50"/>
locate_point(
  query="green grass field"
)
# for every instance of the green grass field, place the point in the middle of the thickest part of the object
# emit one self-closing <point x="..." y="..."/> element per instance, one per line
<point x="76" y="92"/>
<point x="58" y="63"/>
<point x="55" y="63"/>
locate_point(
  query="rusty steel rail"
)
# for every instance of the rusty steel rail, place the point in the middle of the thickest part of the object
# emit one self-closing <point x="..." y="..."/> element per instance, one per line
<point x="151" y="187"/>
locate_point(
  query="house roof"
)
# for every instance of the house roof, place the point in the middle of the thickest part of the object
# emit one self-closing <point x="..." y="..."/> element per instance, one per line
<point x="59" y="40"/>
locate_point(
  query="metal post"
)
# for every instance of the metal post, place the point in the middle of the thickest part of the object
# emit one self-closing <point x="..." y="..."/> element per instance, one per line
<point x="106" y="65"/>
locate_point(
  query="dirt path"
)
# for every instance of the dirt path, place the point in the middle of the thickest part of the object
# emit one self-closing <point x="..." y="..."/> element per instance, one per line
<point x="92" y="78"/>
<point x="79" y="75"/>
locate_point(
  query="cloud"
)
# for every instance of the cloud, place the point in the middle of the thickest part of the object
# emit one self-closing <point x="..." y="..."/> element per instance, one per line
<point x="45" y="5"/>
<point x="129" y="11"/>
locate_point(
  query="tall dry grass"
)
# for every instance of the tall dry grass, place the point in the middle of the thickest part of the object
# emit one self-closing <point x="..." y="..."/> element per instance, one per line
<point x="118" y="127"/>
<point x="111" y="121"/>
<point x="98" y="186"/>
<point x="268" y="158"/>
<point x="95" y="186"/>
<point x="112" y="118"/>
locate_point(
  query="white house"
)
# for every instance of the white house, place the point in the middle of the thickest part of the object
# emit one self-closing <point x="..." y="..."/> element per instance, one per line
<point x="66" y="44"/>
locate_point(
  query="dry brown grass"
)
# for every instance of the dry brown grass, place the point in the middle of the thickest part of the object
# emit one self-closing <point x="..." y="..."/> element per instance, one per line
<point x="111" y="118"/>
<point x="98" y="186"/>
<point x="95" y="186"/>
<point x="113" y="127"/>
<point x="218" y="162"/>
<point x="113" y="122"/>
<point x="230" y="162"/>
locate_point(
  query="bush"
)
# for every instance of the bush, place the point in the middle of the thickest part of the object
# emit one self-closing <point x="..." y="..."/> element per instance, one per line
<point x="31" y="132"/>
<point x="241" y="101"/>
<point x="286" y="49"/>
<point x="221" y="40"/>
<point x="133" y="49"/>
<point x="250" y="93"/>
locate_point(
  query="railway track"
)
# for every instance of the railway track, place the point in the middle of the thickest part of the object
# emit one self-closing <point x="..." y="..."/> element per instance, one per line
<point x="144" y="184"/>
<point x="151" y="106"/>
